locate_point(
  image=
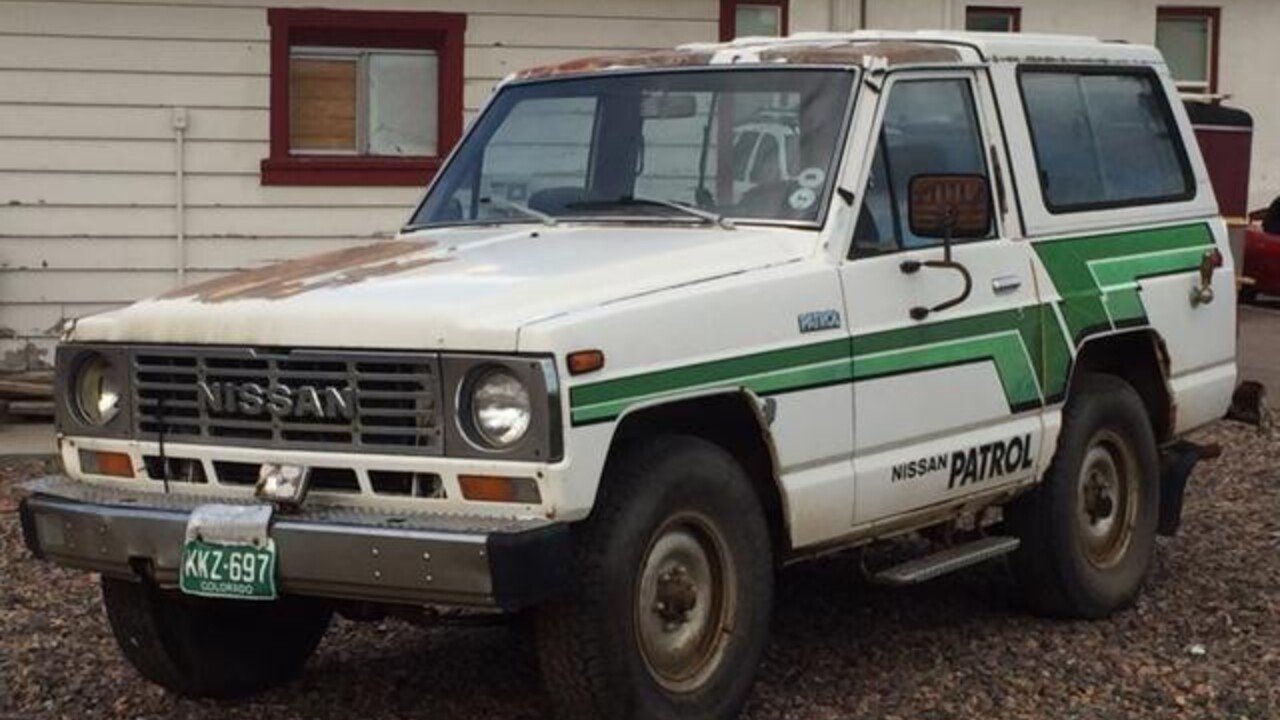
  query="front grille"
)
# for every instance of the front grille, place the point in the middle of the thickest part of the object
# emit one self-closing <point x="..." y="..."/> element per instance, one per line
<point x="302" y="399"/>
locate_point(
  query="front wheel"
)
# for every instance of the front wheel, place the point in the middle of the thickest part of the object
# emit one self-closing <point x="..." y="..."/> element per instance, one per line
<point x="1088" y="532"/>
<point x="212" y="648"/>
<point x="674" y="570"/>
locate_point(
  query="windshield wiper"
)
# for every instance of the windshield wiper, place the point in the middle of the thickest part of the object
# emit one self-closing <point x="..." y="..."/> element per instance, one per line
<point x="521" y="208"/>
<point x="706" y="215"/>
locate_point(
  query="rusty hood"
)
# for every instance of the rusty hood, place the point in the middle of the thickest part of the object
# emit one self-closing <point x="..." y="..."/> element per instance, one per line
<point x="463" y="289"/>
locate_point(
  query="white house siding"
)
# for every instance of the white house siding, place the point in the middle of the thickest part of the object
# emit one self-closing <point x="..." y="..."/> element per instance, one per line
<point x="88" y="153"/>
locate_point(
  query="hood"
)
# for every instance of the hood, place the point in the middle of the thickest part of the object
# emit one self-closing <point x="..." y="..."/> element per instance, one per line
<point x="464" y="288"/>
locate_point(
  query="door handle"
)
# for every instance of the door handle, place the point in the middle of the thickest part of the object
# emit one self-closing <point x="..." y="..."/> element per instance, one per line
<point x="1005" y="283"/>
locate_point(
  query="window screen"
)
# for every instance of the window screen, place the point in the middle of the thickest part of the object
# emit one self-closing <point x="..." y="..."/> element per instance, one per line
<point x="757" y="20"/>
<point x="1103" y="140"/>
<point x="991" y="19"/>
<point x="1186" y="41"/>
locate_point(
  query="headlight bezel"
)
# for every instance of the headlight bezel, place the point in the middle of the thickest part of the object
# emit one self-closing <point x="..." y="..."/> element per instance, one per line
<point x="541" y="440"/>
<point x="69" y="415"/>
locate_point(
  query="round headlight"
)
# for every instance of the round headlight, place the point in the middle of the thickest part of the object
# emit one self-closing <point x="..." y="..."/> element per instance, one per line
<point x="501" y="410"/>
<point x="97" y="391"/>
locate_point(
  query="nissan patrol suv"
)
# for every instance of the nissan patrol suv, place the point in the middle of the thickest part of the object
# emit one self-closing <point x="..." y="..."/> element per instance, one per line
<point x="599" y="381"/>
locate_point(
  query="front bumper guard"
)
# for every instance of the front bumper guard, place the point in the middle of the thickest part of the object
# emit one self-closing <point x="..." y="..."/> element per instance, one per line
<point x="326" y="552"/>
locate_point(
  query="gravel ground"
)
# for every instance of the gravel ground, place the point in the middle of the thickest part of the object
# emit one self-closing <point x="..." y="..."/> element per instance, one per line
<point x="1203" y="642"/>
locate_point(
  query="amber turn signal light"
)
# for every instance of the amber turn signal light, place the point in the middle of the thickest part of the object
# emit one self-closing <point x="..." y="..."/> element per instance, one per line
<point x="115" y="464"/>
<point x="585" y="361"/>
<point x="492" y="488"/>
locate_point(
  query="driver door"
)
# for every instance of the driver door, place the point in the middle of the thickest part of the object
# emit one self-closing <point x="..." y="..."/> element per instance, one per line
<point x="947" y="402"/>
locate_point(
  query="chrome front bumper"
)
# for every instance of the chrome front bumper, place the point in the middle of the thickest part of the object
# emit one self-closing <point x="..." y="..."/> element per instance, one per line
<point x="325" y="552"/>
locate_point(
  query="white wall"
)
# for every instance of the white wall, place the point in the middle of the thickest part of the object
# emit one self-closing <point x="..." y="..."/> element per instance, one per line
<point x="88" y="154"/>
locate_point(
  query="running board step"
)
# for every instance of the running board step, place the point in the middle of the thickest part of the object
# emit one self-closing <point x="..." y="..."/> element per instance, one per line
<point x="949" y="560"/>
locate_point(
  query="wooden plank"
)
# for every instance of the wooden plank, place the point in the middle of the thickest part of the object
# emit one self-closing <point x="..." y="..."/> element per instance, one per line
<point x="142" y="89"/>
<point x="86" y="286"/>
<point x="62" y="221"/>
<point x="134" y="20"/>
<point x="89" y="188"/>
<point x="322" y="104"/>
<point x="671" y="9"/>
<point x="45" y="320"/>
<point x="133" y="123"/>
<point x="30" y="408"/>
<point x="587" y="32"/>
<point x="327" y="222"/>
<point x="111" y="156"/>
<point x="135" y="54"/>
<point x="476" y="92"/>
<point x="21" y="389"/>
<point x="538" y="28"/>
<point x="219" y="254"/>
<point x="148" y="55"/>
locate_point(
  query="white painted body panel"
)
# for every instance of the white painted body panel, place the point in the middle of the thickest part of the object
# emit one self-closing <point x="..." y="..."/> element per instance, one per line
<point x="660" y="297"/>
<point x="474" y="289"/>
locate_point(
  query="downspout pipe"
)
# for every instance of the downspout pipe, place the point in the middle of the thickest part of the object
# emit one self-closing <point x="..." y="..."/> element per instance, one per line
<point x="180" y="191"/>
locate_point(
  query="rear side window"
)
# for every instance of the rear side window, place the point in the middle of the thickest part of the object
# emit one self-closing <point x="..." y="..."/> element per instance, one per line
<point x="1104" y="139"/>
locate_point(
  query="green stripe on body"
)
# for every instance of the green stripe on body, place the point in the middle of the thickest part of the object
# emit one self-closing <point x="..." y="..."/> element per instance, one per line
<point x="1005" y="338"/>
<point x="1097" y="276"/>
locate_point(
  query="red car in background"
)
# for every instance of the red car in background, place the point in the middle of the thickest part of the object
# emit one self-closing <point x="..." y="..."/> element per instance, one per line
<point x="1262" y="254"/>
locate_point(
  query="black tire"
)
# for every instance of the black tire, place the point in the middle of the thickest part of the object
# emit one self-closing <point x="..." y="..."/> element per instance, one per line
<point x="592" y="644"/>
<point x="211" y="648"/>
<point x="1086" y="546"/>
<point x="1249" y="295"/>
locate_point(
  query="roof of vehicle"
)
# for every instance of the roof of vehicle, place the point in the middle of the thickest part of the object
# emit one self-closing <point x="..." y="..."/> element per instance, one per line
<point x="878" y="48"/>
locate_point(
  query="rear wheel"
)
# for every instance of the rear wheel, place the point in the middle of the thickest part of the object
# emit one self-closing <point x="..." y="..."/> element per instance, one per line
<point x="670" y="615"/>
<point x="211" y="648"/>
<point x="1088" y="531"/>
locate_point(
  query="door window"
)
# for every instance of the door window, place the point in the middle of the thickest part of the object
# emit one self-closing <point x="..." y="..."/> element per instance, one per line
<point x="930" y="127"/>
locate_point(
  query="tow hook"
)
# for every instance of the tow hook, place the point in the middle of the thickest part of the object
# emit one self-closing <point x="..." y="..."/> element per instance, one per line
<point x="1176" y="463"/>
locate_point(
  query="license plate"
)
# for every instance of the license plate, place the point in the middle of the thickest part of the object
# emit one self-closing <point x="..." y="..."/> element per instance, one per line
<point x="245" y="572"/>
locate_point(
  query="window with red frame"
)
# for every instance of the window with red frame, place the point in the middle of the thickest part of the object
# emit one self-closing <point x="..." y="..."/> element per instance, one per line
<point x="983" y="18"/>
<point x="362" y="98"/>
<point x="1188" y="38"/>
<point x="744" y="18"/>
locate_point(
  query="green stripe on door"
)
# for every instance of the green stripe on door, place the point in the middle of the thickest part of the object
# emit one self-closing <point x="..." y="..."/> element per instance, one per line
<point x="1003" y="338"/>
<point x="1097" y="276"/>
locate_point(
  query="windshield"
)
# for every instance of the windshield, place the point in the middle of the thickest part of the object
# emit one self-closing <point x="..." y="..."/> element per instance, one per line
<point x="647" y="147"/>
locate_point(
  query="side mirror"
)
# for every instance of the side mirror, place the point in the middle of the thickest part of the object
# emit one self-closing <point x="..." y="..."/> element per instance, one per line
<point x="949" y="207"/>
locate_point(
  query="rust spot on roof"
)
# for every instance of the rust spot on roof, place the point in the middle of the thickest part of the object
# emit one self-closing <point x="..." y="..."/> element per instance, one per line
<point x="327" y="270"/>
<point x="655" y="58"/>
<point x="845" y="53"/>
<point x="817" y="52"/>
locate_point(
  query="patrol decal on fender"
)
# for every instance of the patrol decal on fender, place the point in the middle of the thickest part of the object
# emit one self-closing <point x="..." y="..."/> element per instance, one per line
<point x="982" y="462"/>
<point x="1003" y="457"/>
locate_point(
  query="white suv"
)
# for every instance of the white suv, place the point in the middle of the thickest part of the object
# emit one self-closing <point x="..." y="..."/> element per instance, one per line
<point x="596" y="377"/>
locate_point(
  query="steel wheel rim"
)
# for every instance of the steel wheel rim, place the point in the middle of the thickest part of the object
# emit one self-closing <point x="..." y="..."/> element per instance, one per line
<point x="685" y="602"/>
<point x="1107" y="499"/>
